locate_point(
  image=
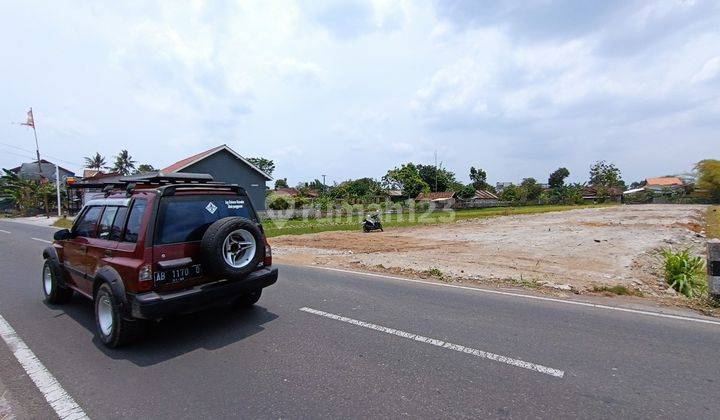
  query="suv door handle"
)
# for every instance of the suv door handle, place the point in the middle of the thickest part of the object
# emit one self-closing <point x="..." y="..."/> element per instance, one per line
<point x="83" y="248"/>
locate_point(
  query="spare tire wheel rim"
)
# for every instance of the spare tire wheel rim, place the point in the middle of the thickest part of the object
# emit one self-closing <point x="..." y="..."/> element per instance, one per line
<point x="239" y="248"/>
<point x="47" y="280"/>
<point x="105" y="316"/>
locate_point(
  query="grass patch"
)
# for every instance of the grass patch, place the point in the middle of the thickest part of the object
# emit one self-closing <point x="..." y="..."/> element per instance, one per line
<point x="436" y="273"/>
<point x="345" y="223"/>
<point x="712" y="222"/>
<point x="529" y="283"/>
<point x="685" y="272"/>
<point x="63" y="223"/>
<point x="618" y="289"/>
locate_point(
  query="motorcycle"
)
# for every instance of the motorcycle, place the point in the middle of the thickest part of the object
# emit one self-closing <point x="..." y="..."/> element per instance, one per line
<point x="372" y="223"/>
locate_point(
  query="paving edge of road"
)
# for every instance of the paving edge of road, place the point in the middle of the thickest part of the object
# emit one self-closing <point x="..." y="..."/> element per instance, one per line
<point x="60" y="401"/>
<point x="653" y="313"/>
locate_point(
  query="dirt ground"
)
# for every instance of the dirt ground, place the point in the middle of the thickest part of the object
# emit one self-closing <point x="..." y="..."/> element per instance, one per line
<point x="575" y="250"/>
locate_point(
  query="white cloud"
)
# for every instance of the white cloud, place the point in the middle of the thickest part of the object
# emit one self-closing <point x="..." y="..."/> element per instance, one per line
<point x="363" y="85"/>
<point x="709" y="71"/>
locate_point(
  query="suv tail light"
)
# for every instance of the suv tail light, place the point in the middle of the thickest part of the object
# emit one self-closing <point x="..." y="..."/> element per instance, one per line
<point x="267" y="262"/>
<point x="145" y="277"/>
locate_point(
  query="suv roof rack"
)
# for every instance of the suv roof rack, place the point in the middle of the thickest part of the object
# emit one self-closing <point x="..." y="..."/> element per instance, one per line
<point x="162" y="180"/>
<point x="169" y="190"/>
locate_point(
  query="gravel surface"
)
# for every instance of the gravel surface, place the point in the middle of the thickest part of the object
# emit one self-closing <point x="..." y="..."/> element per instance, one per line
<point x="577" y="248"/>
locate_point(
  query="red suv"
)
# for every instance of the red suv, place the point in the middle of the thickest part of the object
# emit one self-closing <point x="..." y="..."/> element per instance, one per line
<point x="162" y="246"/>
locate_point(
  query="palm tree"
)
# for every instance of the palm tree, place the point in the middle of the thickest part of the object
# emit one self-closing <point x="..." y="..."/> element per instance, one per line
<point x="123" y="163"/>
<point x="95" y="162"/>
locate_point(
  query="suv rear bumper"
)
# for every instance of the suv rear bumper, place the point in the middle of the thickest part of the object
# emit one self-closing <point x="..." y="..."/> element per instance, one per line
<point x="153" y="305"/>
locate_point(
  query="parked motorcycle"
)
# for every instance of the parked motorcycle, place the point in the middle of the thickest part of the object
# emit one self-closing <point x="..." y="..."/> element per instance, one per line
<point x="372" y="223"/>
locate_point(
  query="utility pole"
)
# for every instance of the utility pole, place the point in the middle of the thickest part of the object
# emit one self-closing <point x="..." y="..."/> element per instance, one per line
<point x="57" y="189"/>
<point x="324" y="185"/>
<point x="436" y="171"/>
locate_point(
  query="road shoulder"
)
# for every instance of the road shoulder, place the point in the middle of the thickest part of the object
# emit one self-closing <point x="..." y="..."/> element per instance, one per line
<point x="19" y="397"/>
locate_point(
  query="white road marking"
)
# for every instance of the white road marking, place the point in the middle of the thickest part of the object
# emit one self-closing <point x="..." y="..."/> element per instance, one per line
<point x="548" y="299"/>
<point x="4" y="231"/>
<point x="41" y="240"/>
<point x="442" y="344"/>
<point x="63" y="404"/>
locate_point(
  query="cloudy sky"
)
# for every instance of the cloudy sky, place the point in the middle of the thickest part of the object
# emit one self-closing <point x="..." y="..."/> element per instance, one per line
<point x="354" y="87"/>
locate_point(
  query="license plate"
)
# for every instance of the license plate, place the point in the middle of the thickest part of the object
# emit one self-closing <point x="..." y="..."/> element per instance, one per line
<point x="176" y="275"/>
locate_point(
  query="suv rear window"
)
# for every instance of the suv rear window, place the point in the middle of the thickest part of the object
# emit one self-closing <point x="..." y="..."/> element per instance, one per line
<point x="185" y="219"/>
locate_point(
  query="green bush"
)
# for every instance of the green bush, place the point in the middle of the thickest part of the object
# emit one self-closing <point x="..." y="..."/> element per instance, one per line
<point x="276" y="202"/>
<point x="684" y="272"/>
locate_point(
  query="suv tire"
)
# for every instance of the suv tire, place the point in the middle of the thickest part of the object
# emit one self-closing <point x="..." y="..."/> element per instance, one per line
<point x="112" y="328"/>
<point x="247" y="300"/>
<point x="232" y="248"/>
<point x="53" y="290"/>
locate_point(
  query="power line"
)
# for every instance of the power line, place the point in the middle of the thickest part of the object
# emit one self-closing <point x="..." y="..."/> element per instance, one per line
<point x="18" y="154"/>
<point x="50" y="156"/>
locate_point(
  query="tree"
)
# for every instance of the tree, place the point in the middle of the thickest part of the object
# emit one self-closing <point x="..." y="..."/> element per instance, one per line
<point x="123" y="163"/>
<point x="467" y="192"/>
<point x="510" y="194"/>
<point x="96" y="162"/>
<point x="145" y="167"/>
<point x="406" y="178"/>
<point x="276" y="202"/>
<point x="265" y="165"/>
<point x="709" y="176"/>
<point x="20" y="191"/>
<point x="557" y="178"/>
<point x="530" y="190"/>
<point x="437" y="178"/>
<point x="363" y="187"/>
<point x="281" y="183"/>
<point x="567" y="194"/>
<point x="45" y="192"/>
<point x="478" y="178"/>
<point x="605" y="175"/>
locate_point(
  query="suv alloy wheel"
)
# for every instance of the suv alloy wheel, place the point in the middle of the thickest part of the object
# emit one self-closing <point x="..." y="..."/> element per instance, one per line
<point x="54" y="292"/>
<point x="113" y="329"/>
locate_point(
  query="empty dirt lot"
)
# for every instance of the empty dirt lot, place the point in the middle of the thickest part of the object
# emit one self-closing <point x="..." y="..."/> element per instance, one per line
<point x="578" y="249"/>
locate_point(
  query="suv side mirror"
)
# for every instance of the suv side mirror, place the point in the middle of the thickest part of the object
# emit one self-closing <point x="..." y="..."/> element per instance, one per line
<point x="62" y="235"/>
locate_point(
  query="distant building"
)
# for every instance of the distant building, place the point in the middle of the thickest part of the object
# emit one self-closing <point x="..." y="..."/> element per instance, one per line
<point x="445" y="199"/>
<point x="89" y="187"/>
<point x="226" y="165"/>
<point x="286" y="192"/>
<point x="591" y="193"/>
<point x="46" y="170"/>
<point x="395" y="195"/>
<point x="663" y="184"/>
<point x="500" y="186"/>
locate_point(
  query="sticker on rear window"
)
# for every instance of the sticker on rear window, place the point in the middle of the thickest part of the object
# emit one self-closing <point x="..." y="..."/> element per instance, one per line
<point x="234" y="204"/>
<point x="212" y="208"/>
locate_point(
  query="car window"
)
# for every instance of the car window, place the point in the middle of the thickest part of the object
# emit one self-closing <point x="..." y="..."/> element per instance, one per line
<point x="132" y="231"/>
<point x="86" y="226"/>
<point x="106" y="222"/>
<point x="186" y="218"/>
<point x="118" y="224"/>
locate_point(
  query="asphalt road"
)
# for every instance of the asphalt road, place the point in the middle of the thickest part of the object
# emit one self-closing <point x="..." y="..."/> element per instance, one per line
<point x="325" y="344"/>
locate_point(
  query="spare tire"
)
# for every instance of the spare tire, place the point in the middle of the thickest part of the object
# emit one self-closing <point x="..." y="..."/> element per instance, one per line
<point x="232" y="248"/>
